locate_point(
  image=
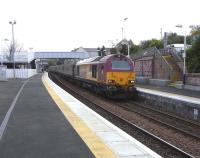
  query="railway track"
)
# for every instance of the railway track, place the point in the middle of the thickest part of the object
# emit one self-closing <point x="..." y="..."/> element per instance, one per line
<point x="187" y="127"/>
<point x="160" y="146"/>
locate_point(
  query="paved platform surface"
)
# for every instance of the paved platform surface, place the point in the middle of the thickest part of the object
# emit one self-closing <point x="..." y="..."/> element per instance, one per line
<point x="103" y="138"/>
<point x="8" y="90"/>
<point x="40" y="120"/>
<point x="36" y="127"/>
<point x="173" y="90"/>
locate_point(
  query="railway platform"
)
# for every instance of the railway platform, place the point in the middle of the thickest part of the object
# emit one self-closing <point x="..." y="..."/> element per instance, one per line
<point x="185" y="103"/>
<point x="170" y="89"/>
<point x="39" y="119"/>
<point x="32" y="125"/>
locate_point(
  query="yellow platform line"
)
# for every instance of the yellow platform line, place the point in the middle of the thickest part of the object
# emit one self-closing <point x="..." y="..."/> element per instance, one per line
<point x="94" y="143"/>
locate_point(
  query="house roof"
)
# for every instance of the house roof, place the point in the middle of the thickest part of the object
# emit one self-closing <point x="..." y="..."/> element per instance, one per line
<point x="124" y="41"/>
<point x="91" y="49"/>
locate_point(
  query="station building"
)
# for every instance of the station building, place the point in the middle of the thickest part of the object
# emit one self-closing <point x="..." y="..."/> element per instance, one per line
<point x="24" y="64"/>
<point x="28" y="64"/>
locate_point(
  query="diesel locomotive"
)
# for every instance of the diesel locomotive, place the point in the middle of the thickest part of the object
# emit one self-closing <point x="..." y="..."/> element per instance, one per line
<point x="112" y="75"/>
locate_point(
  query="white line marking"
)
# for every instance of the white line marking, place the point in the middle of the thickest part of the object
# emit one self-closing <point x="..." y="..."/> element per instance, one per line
<point x="5" y="121"/>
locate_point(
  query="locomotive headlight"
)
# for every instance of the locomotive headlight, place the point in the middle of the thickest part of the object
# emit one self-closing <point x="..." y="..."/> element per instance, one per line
<point x="132" y="81"/>
<point x="110" y="81"/>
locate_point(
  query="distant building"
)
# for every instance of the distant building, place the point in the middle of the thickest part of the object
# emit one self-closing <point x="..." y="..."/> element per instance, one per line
<point x="124" y="41"/>
<point x="23" y="65"/>
<point x="178" y="47"/>
<point x="119" y="46"/>
<point x="23" y="59"/>
<point x="92" y="52"/>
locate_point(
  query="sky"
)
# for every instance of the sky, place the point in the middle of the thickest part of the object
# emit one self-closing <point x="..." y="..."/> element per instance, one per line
<point x="62" y="25"/>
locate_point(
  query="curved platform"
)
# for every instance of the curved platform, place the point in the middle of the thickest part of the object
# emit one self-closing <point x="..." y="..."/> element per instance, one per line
<point x="94" y="129"/>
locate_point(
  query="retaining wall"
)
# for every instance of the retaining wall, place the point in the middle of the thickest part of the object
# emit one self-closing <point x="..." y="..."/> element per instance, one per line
<point x="193" y="79"/>
<point x="178" y="107"/>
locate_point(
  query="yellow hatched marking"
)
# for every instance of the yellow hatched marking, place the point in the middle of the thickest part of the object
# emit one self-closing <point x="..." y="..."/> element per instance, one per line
<point x="97" y="147"/>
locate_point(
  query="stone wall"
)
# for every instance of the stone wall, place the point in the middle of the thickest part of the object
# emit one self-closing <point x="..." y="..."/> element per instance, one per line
<point x="178" y="107"/>
<point x="193" y="79"/>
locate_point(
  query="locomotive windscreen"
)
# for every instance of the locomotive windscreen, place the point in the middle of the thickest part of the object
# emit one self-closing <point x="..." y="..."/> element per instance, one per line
<point x="120" y="65"/>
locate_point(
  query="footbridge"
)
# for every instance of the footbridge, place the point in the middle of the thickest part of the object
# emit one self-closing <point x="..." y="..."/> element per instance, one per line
<point x="41" y="58"/>
<point x="61" y="55"/>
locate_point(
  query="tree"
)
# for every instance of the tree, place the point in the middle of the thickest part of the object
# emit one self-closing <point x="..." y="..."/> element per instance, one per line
<point x="124" y="49"/>
<point x="12" y="48"/>
<point x="193" y="57"/>
<point x="135" y="48"/>
<point x="151" y="43"/>
<point x="145" y="44"/>
<point x="195" y="31"/>
<point x="173" y="38"/>
<point x="156" y="43"/>
<point x="113" y="50"/>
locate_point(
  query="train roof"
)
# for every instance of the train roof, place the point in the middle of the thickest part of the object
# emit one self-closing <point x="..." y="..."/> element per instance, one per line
<point x="105" y="58"/>
<point x="88" y="60"/>
<point x="97" y="59"/>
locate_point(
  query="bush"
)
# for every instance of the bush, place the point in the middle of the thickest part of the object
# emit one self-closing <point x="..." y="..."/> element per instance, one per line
<point x="193" y="57"/>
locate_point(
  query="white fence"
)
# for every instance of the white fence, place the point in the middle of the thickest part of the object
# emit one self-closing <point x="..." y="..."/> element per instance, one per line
<point x="20" y="73"/>
<point x="3" y="73"/>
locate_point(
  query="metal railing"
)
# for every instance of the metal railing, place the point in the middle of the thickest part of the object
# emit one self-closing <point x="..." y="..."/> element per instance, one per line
<point x="173" y="52"/>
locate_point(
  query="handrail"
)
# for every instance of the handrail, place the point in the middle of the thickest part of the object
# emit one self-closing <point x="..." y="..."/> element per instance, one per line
<point x="172" y="52"/>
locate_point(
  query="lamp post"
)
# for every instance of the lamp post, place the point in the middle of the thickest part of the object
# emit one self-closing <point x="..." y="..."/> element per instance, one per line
<point x="123" y="29"/>
<point x="128" y="49"/>
<point x="12" y="23"/>
<point x="184" y="55"/>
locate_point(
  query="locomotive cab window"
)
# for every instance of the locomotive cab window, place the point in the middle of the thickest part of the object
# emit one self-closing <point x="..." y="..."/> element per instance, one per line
<point x="120" y="65"/>
<point x="94" y="71"/>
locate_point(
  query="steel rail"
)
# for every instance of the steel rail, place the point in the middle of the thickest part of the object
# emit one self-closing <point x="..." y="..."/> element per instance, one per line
<point x="196" y="136"/>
